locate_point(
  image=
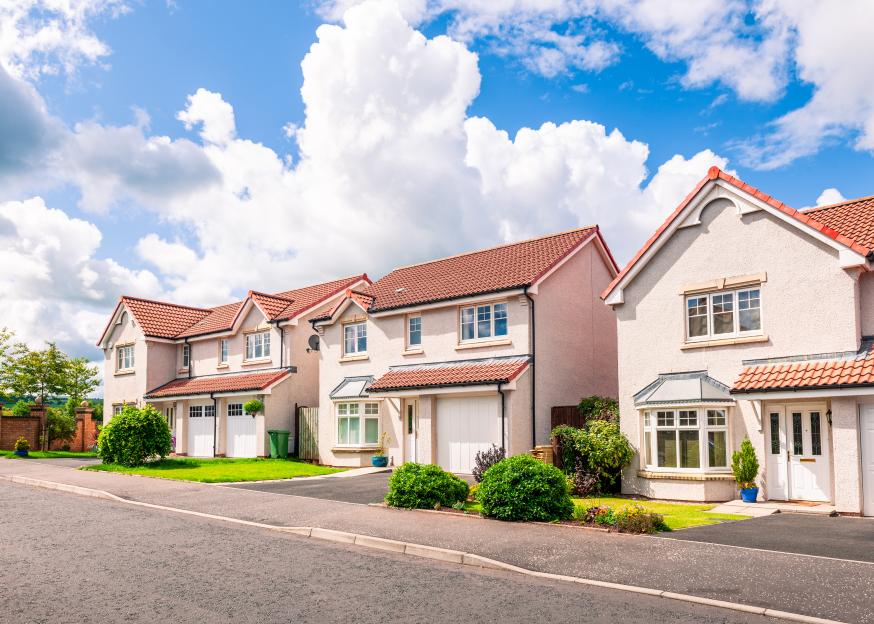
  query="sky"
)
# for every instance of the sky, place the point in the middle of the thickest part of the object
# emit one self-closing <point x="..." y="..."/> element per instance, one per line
<point x="192" y="150"/>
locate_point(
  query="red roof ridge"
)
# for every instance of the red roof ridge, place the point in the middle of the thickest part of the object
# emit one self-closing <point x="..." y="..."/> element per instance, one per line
<point x="494" y="247"/>
<point x="166" y="303"/>
<point x="846" y="202"/>
<point x="272" y="296"/>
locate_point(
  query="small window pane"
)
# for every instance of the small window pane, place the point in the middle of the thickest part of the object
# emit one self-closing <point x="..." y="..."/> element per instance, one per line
<point x="775" y="434"/>
<point x="646" y="419"/>
<point x="371" y="430"/>
<point x="343" y="431"/>
<point x="690" y="453"/>
<point x="715" y="418"/>
<point x="224" y="351"/>
<point x="697" y="314"/>
<point x="666" y="448"/>
<point x="749" y="310"/>
<point x="815" y="434"/>
<point x="349" y="338"/>
<point x="665" y="419"/>
<point x="717" y="455"/>
<point x="467" y="324"/>
<point x="415" y="331"/>
<point x="209" y="411"/>
<point x="354" y="430"/>
<point x="797" y="439"/>
<point x="647" y="450"/>
<point x="500" y="319"/>
<point x="235" y="409"/>
<point x="688" y="418"/>
<point x="371" y="409"/>
<point x="723" y="313"/>
<point x="484" y="321"/>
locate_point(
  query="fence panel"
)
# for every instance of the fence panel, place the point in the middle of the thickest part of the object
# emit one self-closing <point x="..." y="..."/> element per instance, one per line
<point x="308" y="433"/>
<point x="567" y="415"/>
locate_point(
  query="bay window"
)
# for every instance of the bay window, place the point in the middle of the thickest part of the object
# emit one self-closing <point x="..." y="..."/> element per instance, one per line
<point x="357" y="424"/>
<point x="485" y="321"/>
<point x="355" y="338"/>
<point x="723" y="314"/>
<point x="258" y="345"/>
<point x="686" y="439"/>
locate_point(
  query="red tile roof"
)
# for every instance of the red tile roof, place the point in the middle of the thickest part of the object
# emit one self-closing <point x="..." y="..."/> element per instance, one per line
<point x="167" y="320"/>
<point x="814" y="373"/>
<point x="859" y="238"/>
<point x="466" y="373"/>
<point x="854" y="219"/>
<point x="219" y="383"/>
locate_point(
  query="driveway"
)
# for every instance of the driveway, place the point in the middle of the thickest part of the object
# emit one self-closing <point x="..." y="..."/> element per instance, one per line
<point x="822" y="536"/>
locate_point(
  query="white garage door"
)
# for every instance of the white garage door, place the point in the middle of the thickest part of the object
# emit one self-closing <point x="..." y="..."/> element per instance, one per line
<point x="867" y="427"/>
<point x="466" y="426"/>
<point x="241" y="432"/>
<point x="201" y="429"/>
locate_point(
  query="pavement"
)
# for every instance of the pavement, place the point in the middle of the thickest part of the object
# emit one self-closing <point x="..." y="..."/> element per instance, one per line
<point x="69" y="462"/>
<point x="126" y="564"/>
<point x="821" y="536"/>
<point x="827" y="588"/>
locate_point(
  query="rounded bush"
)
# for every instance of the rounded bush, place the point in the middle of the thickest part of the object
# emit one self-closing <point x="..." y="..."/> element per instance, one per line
<point x="134" y="436"/>
<point x="424" y="486"/>
<point x="524" y="488"/>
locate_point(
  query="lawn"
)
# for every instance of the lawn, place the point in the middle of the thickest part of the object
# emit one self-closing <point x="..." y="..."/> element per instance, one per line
<point x="48" y="454"/>
<point x="677" y="515"/>
<point x="221" y="470"/>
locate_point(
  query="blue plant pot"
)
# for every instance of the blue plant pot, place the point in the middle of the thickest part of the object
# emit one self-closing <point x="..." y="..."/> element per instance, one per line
<point x="20" y="453"/>
<point x="379" y="461"/>
<point x="749" y="495"/>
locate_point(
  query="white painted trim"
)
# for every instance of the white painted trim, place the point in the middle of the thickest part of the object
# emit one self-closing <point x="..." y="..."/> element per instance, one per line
<point x="482" y="389"/>
<point x="788" y="395"/>
<point x="450" y="302"/>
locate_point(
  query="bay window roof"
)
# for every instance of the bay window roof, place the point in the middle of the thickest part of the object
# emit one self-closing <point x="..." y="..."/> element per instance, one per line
<point x="686" y="388"/>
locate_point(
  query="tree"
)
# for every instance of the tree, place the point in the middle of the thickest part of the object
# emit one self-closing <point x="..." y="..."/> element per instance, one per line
<point x="5" y="337"/>
<point x="80" y="379"/>
<point x="60" y="425"/>
<point x="40" y="374"/>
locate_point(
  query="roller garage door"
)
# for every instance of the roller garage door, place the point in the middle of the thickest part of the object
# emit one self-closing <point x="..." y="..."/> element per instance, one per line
<point x="465" y="426"/>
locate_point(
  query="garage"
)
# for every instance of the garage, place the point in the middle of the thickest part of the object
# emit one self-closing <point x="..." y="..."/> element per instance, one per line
<point x="866" y="426"/>
<point x="241" y="432"/>
<point x="201" y="430"/>
<point x="465" y="426"/>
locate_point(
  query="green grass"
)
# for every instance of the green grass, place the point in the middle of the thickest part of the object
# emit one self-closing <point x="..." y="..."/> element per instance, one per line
<point x="677" y="515"/>
<point x="221" y="470"/>
<point x="48" y="454"/>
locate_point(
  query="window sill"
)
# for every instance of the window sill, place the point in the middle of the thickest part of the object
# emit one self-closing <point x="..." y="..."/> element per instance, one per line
<point x="354" y="358"/>
<point x="722" y="342"/>
<point x="483" y="344"/>
<point x="354" y="449"/>
<point x="221" y="366"/>
<point x="686" y="476"/>
<point x="183" y="370"/>
<point x="413" y="352"/>
<point x="266" y="360"/>
<point x="123" y="372"/>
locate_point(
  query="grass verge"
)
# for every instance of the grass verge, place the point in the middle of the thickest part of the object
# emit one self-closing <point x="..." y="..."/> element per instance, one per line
<point x="48" y="454"/>
<point x="221" y="470"/>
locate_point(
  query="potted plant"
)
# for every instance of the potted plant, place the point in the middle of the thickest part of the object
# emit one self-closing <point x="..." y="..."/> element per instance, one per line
<point x="21" y="447"/>
<point x="253" y="407"/>
<point x="380" y="459"/>
<point x="745" y="467"/>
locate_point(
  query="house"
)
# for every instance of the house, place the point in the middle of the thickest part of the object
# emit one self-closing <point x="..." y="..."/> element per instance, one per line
<point x="198" y="366"/>
<point x="451" y="356"/>
<point x="742" y="317"/>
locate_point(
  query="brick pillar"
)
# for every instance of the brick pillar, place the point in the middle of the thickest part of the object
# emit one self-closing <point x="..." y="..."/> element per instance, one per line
<point x="85" y="420"/>
<point x="38" y="410"/>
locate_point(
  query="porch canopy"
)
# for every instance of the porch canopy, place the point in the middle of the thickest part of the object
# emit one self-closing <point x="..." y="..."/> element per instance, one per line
<point x="480" y="372"/>
<point x="352" y="387"/>
<point x="687" y="388"/>
<point x="220" y="385"/>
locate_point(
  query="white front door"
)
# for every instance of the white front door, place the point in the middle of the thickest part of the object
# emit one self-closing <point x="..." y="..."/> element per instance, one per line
<point x="201" y="430"/>
<point x="801" y="470"/>
<point x="866" y="426"/>
<point x="241" y="432"/>
<point x="466" y="426"/>
<point x="411" y="427"/>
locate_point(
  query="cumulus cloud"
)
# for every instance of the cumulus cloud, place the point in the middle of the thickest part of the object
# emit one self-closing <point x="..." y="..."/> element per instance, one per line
<point x="830" y="196"/>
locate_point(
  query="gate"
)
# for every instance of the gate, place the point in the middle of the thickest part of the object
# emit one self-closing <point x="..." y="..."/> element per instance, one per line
<point x="306" y="437"/>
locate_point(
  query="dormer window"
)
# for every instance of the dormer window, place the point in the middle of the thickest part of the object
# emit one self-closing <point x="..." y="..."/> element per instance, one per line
<point x="258" y="345"/>
<point x="723" y="314"/>
<point x="483" y="322"/>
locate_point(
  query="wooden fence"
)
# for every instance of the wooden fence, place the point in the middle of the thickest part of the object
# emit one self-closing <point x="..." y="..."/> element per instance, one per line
<point x="306" y="437"/>
<point x="567" y="415"/>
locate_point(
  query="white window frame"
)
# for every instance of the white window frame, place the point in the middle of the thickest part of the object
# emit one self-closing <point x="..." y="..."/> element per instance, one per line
<point x="125" y="358"/>
<point x="117" y="409"/>
<point x="650" y="425"/>
<point x="364" y="411"/>
<point x="735" y="302"/>
<point x="359" y="331"/>
<point x="186" y="355"/>
<point x="410" y="330"/>
<point x="224" y="350"/>
<point x="258" y="346"/>
<point x="477" y="312"/>
<point x="235" y="409"/>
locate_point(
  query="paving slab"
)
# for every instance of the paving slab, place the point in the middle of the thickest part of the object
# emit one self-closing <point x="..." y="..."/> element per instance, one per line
<point x="828" y="588"/>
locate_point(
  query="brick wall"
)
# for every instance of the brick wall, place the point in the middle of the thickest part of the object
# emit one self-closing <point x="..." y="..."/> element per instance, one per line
<point x="86" y="433"/>
<point x="12" y="426"/>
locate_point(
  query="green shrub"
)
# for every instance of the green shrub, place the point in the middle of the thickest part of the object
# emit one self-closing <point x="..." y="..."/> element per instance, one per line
<point x="21" y="408"/>
<point x="424" y="486"/>
<point x="745" y="465"/>
<point x="60" y="425"/>
<point x="21" y="444"/>
<point x="599" y="408"/>
<point x="636" y="519"/>
<point x="134" y="436"/>
<point x="253" y="407"/>
<point x="524" y="488"/>
<point x="595" y="455"/>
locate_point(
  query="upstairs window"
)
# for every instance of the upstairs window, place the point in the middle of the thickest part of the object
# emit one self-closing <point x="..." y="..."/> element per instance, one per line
<point x="224" y="351"/>
<point x="723" y="314"/>
<point x="355" y="338"/>
<point x="414" y="331"/>
<point x="484" y="321"/>
<point x="186" y="355"/>
<point x="124" y="358"/>
<point x="258" y="346"/>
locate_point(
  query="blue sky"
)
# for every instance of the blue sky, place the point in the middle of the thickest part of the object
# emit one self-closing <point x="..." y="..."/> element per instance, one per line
<point x="398" y="155"/>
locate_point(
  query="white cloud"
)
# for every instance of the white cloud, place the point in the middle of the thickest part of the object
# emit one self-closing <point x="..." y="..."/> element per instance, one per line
<point x="830" y="196"/>
<point x="214" y="116"/>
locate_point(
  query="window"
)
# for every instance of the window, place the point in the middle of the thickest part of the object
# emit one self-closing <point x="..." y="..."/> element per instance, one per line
<point x="723" y="314"/>
<point x="484" y="321"/>
<point x="351" y="431"/>
<point x="116" y="409"/>
<point x="414" y="331"/>
<point x="355" y="338"/>
<point x="195" y="411"/>
<point x="124" y="357"/>
<point x="775" y="433"/>
<point x="686" y="438"/>
<point x="258" y="346"/>
<point x="186" y="355"/>
<point x="235" y="409"/>
<point x="209" y="411"/>
<point x="815" y="434"/>
<point x="224" y="350"/>
<point x="797" y="435"/>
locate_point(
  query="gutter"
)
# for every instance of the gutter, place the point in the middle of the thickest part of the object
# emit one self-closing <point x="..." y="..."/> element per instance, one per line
<point x="533" y="352"/>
